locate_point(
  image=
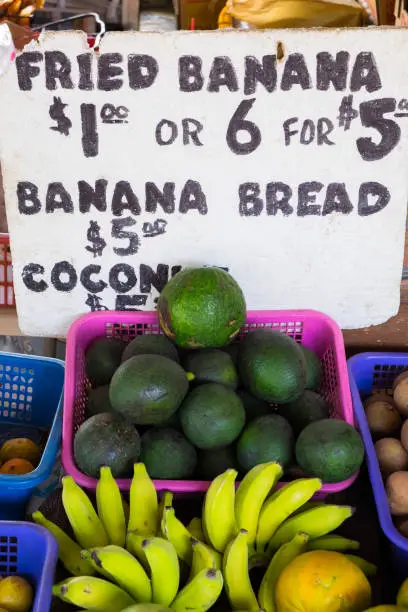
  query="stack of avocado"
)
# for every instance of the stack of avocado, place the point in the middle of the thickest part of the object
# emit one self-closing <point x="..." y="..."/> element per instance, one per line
<point x="198" y="399"/>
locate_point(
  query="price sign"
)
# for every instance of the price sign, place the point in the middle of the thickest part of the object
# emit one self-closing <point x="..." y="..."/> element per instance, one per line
<point x="279" y="156"/>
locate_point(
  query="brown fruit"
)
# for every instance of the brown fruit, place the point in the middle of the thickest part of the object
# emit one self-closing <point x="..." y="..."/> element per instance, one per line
<point x="20" y="448"/>
<point x="401" y="523"/>
<point x="399" y="378"/>
<point x="16" y="467"/>
<point x="397" y="493"/>
<point x="382" y="417"/>
<point x="16" y="594"/>
<point x="391" y="455"/>
<point x="380" y="396"/>
<point x="404" y="435"/>
<point x="401" y="397"/>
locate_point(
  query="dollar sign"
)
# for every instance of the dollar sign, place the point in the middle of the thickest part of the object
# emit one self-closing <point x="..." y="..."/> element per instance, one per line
<point x="64" y="124"/>
<point x="346" y="113"/>
<point x="93" y="235"/>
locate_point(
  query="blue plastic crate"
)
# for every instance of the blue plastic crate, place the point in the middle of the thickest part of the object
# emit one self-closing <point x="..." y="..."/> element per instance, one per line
<point x="370" y="372"/>
<point x="31" y="552"/>
<point x="31" y="398"/>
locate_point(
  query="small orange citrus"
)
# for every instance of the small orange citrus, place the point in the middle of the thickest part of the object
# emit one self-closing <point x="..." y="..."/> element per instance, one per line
<point x="322" y="580"/>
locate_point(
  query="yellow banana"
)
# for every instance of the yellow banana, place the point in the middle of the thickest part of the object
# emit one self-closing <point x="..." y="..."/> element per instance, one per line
<point x="283" y="556"/>
<point x="281" y="505"/>
<point x="144" y="508"/>
<point x="92" y="593"/>
<point x="165" y="501"/>
<point x="87" y="556"/>
<point x="123" y="569"/>
<point x="85" y="523"/>
<point x="251" y="494"/>
<point x="315" y="523"/>
<point x="174" y="531"/>
<point x="110" y="507"/>
<point x="218" y="519"/>
<point x="164" y="569"/>
<point x="195" y="527"/>
<point x="200" y="593"/>
<point x="332" y="541"/>
<point x="236" y="574"/>
<point x="369" y="569"/>
<point x="69" y="552"/>
<point x="308" y="506"/>
<point x="204" y="557"/>
<point x="134" y="543"/>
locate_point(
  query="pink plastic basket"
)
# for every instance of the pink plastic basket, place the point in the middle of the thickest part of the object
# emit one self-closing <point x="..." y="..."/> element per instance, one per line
<point x="313" y="329"/>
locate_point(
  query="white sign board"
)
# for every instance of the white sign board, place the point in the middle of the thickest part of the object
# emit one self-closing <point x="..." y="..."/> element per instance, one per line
<point x="280" y="155"/>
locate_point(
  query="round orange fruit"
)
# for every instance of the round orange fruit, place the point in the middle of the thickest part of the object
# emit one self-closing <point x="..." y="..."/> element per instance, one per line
<point x="16" y="467"/>
<point x="20" y="448"/>
<point x="322" y="580"/>
<point x="16" y="594"/>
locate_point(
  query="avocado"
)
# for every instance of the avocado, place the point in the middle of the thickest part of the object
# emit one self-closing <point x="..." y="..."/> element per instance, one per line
<point x="211" y="365"/>
<point x="314" y="369"/>
<point x="148" y="389"/>
<point x="106" y="439"/>
<point x="232" y="350"/>
<point x="308" y="408"/>
<point x="267" y="438"/>
<point x="102" y="358"/>
<point x="201" y="308"/>
<point x="272" y="366"/>
<point x="98" y="400"/>
<point x="167" y="454"/>
<point x="215" y="461"/>
<point x="254" y="407"/>
<point x="330" y="449"/>
<point x="212" y="415"/>
<point x="150" y="344"/>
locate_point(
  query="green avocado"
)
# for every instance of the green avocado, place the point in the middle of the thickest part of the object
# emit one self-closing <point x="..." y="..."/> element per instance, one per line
<point x="267" y="438"/>
<point x="330" y="449"/>
<point x="212" y="416"/>
<point x="201" y="308"/>
<point x="102" y="358"/>
<point x="211" y="365"/>
<point x="106" y="439"/>
<point x="148" y="389"/>
<point x="215" y="461"/>
<point x="314" y="369"/>
<point x="98" y="400"/>
<point x="167" y="454"/>
<point x="308" y="408"/>
<point x="150" y="344"/>
<point x="272" y="366"/>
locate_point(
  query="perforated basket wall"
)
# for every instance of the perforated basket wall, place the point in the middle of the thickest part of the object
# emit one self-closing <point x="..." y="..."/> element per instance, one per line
<point x="313" y="329"/>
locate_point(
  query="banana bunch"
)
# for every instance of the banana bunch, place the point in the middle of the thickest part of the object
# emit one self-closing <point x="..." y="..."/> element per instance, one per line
<point x="142" y="553"/>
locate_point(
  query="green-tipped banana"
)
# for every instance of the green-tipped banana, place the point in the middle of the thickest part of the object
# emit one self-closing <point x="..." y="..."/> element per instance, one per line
<point x="335" y="542"/>
<point x="369" y="569"/>
<point x="218" y="519"/>
<point x="69" y="552"/>
<point x="251" y="494"/>
<point x="195" y="527"/>
<point x="165" y="501"/>
<point x="125" y="570"/>
<point x="92" y="594"/>
<point x="281" y="505"/>
<point x="283" y="556"/>
<point x="315" y="523"/>
<point x="200" y="593"/>
<point x="86" y="524"/>
<point x="164" y="569"/>
<point x="174" y="531"/>
<point x="144" y="507"/>
<point x="204" y="557"/>
<point x="110" y="507"/>
<point x="236" y="574"/>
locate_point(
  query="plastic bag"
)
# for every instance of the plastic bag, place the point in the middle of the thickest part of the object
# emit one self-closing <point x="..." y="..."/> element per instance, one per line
<point x="298" y="13"/>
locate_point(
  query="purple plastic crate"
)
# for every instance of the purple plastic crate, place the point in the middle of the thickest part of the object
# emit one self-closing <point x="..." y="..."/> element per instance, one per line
<point x="369" y="372"/>
<point x="313" y="329"/>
